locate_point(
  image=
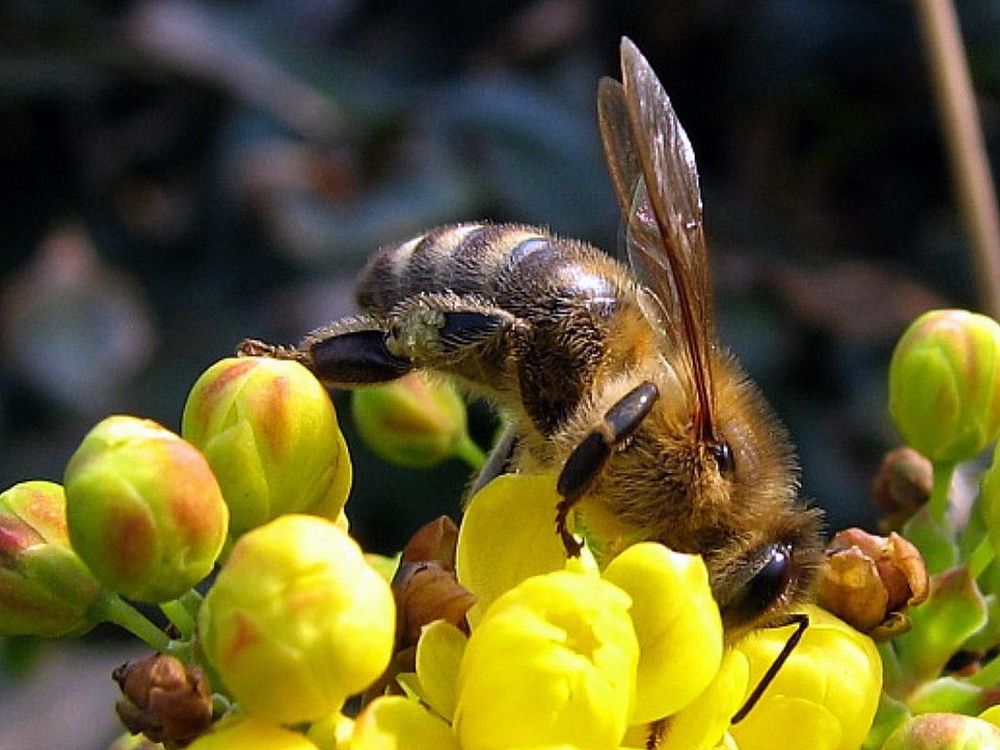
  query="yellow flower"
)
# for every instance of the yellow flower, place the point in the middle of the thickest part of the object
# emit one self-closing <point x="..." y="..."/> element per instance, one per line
<point x="508" y="535"/>
<point x="677" y="623"/>
<point x="825" y="695"/>
<point x="552" y="661"/>
<point x="397" y="723"/>
<point x="332" y="733"/>
<point x="270" y="433"/>
<point x="242" y="732"/>
<point x="297" y="620"/>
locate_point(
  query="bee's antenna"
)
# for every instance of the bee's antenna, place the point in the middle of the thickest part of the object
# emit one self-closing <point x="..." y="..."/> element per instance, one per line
<point x="802" y="622"/>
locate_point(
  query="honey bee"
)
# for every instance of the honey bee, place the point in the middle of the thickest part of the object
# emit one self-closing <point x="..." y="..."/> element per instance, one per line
<point x="612" y="375"/>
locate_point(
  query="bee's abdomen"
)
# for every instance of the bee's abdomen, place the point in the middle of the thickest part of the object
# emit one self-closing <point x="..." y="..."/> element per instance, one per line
<point x="520" y="268"/>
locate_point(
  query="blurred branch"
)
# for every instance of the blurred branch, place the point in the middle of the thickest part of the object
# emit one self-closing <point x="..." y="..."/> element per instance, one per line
<point x="967" y="155"/>
<point x="187" y="36"/>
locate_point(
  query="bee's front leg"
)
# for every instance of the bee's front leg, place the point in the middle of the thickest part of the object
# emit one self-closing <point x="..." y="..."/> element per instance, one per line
<point x="589" y="457"/>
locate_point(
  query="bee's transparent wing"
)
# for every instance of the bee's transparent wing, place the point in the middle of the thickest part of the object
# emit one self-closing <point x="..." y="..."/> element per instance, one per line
<point x="655" y="179"/>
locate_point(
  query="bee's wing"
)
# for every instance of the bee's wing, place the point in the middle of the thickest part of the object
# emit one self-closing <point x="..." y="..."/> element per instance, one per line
<point x="655" y="179"/>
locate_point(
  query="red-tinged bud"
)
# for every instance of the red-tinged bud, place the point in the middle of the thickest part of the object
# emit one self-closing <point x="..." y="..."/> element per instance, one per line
<point x="144" y="510"/>
<point x="270" y="432"/>
<point x="163" y="699"/>
<point x="944" y="732"/>
<point x="45" y="589"/>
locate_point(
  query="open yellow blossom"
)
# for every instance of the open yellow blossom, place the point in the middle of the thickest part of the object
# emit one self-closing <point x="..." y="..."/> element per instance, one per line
<point x="552" y="661"/>
<point x="825" y="695"/>
<point x="507" y="535"/>
<point x="677" y="623"/>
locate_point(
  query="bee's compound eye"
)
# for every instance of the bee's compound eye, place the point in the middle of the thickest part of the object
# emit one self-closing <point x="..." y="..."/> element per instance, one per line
<point x="771" y="579"/>
<point x="724" y="458"/>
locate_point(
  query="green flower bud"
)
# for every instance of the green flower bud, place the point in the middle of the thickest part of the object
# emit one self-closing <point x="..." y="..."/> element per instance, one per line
<point x="144" y="510"/>
<point x="270" y="433"/>
<point x="297" y="621"/>
<point x="414" y="421"/>
<point x="45" y="589"/>
<point x="944" y="384"/>
<point x="944" y="732"/>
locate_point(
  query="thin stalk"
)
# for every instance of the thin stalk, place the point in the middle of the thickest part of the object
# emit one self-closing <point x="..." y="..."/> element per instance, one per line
<point x="112" y="608"/>
<point x="981" y="557"/>
<point x="937" y="504"/>
<point x="988" y="676"/>
<point x="179" y="617"/>
<point x="970" y="168"/>
<point x="467" y="450"/>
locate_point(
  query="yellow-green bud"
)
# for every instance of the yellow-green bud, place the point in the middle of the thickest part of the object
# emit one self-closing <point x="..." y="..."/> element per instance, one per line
<point x="552" y="661"/>
<point x="243" y="732"/>
<point x="297" y="621"/>
<point x="415" y="421"/>
<point x="144" y="510"/>
<point x="944" y="384"/>
<point x="393" y="722"/>
<point x="944" y="732"/>
<point x="270" y="433"/>
<point x="45" y="589"/>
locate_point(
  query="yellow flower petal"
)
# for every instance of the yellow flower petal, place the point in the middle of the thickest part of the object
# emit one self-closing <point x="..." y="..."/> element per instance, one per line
<point x="241" y="732"/>
<point x="553" y="661"/>
<point x="677" y="623"/>
<point x="332" y="733"/>
<point x="508" y="535"/>
<point x="702" y="724"/>
<point x="439" y="653"/>
<point x="824" y="696"/>
<point x="396" y="723"/>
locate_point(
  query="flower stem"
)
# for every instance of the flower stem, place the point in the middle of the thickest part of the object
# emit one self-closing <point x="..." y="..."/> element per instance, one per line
<point x="180" y="617"/>
<point x="988" y="676"/>
<point x="467" y="450"/>
<point x="938" y="502"/>
<point x="981" y="557"/>
<point x="112" y="608"/>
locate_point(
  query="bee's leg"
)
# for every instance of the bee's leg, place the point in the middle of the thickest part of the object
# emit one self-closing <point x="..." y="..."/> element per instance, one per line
<point x="588" y="458"/>
<point x="346" y="353"/>
<point x="498" y="462"/>
<point x="436" y="330"/>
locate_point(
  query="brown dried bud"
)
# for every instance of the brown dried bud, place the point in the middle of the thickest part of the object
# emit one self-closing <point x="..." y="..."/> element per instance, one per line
<point x="425" y="592"/>
<point x="164" y="699"/>
<point x="868" y="581"/>
<point x="903" y="484"/>
<point x="433" y="541"/>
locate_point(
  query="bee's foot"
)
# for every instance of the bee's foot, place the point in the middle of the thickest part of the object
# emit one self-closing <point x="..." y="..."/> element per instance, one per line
<point x="257" y="348"/>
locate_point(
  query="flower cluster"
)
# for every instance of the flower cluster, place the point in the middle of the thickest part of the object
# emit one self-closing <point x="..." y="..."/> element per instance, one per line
<point x="487" y="637"/>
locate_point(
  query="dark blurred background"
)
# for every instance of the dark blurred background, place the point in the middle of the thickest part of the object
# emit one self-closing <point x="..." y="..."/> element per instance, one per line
<point x="177" y="175"/>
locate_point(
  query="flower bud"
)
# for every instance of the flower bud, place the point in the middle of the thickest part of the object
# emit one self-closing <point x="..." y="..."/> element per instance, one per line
<point x="392" y="722"/>
<point x="270" y="433"/>
<point x="425" y="592"/>
<point x="144" y="510"/>
<point x="415" y="421"/>
<point x="552" y="661"/>
<point x="944" y="381"/>
<point x="297" y="621"/>
<point x="45" y="589"/>
<point x="240" y="732"/>
<point x="825" y="694"/>
<point x="163" y="699"/>
<point x="903" y="484"/>
<point x="869" y="580"/>
<point x="944" y="732"/>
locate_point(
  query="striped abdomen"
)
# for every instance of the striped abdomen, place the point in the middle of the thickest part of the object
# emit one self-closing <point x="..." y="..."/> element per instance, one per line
<point x="523" y="270"/>
<point x="575" y="308"/>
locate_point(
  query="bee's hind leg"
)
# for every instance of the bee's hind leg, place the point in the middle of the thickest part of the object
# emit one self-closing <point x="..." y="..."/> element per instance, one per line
<point x="347" y="353"/>
<point x="589" y="457"/>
